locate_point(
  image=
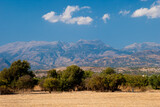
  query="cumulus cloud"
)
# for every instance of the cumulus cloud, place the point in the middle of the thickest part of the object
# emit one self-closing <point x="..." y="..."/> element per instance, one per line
<point x="152" y="12"/>
<point x="105" y="17"/>
<point x="125" y="12"/>
<point x="66" y="16"/>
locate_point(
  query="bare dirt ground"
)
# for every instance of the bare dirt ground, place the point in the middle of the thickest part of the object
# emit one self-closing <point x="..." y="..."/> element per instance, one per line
<point x="82" y="99"/>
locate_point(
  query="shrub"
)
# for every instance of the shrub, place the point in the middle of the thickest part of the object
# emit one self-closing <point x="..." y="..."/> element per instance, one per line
<point x="104" y="83"/>
<point x="71" y="78"/>
<point x="154" y="81"/>
<point x="3" y="88"/>
<point x="108" y="70"/>
<point x="52" y="73"/>
<point x="51" y="84"/>
<point x="113" y="81"/>
<point x="88" y="74"/>
<point x="17" y="69"/>
<point x="136" y="81"/>
<point x="95" y="83"/>
<point x="25" y="82"/>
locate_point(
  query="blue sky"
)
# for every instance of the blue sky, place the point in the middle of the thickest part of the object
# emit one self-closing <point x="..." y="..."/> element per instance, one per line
<point x="116" y="22"/>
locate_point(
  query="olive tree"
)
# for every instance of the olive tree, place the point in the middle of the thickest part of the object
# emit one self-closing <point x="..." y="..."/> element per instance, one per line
<point x="71" y="77"/>
<point x="51" y="84"/>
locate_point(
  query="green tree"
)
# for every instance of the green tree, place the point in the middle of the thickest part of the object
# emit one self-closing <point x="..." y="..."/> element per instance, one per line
<point x="108" y="70"/>
<point x="113" y="81"/>
<point x="3" y="88"/>
<point x="154" y="81"/>
<point x="51" y="84"/>
<point x="71" y="77"/>
<point x="6" y="75"/>
<point x="25" y="82"/>
<point x="52" y="73"/>
<point x="20" y="68"/>
<point x="95" y="83"/>
<point x="136" y="81"/>
<point x="88" y="74"/>
<point x="17" y="69"/>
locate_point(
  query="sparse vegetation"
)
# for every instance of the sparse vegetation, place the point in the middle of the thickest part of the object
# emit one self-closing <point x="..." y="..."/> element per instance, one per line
<point x="19" y="77"/>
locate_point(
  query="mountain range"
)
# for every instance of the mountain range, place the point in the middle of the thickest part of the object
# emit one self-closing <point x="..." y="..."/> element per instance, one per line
<point x="95" y="53"/>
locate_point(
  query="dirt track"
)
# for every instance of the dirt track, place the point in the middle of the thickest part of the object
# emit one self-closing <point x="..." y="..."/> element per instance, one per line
<point x="85" y="98"/>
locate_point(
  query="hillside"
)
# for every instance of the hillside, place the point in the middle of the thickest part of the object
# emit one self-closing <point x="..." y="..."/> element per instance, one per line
<point x="47" y="55"/>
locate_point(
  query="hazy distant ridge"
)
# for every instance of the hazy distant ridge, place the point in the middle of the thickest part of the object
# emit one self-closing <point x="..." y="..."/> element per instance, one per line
<point x="46" y="55"/>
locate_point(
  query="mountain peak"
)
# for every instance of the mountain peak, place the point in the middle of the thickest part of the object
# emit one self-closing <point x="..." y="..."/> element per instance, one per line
<point x="46" y="55"/>
<point x="142" y="46"/>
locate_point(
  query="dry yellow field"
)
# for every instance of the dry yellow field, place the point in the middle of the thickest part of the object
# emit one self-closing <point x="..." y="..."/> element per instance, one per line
<point x="82" y="99"/>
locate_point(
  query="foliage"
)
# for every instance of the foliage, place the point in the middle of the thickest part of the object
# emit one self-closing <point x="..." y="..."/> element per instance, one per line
<point x="19" y="76"/>
<point x="52" y="73"/>
<point x="15" y="76"/>
<point x="6" y="75"/>
<point x="51" y="84"/>
<point x="41" y="82"/>
<point x="20" y="68"/>
<point x="108" y="70"/>
<point x="2" y="83"/>
<point x="95" y="83"/>
<point x="136" y="81"/>
<point x="154" y="81"/>
<point x="71" y="77"/>
<point x="104" y="83"/>
<point x="25" y="82"/>
<point x="88" y="74"/>
<point x="113" y="81"/>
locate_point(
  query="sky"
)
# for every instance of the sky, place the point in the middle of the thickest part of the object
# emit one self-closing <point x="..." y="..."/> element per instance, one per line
<point x="115" y="22"/>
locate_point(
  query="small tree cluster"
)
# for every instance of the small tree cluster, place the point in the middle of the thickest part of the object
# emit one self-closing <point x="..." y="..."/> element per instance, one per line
<point x="106" y="81"/>
<point x="18" y="76"/>
<point x="65" y="80"/>
<point x="154" y="81"/>
<point x="136" y="81"/>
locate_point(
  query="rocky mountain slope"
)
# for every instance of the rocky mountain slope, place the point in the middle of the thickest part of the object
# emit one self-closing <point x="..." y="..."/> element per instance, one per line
<point x="47" y="55"/>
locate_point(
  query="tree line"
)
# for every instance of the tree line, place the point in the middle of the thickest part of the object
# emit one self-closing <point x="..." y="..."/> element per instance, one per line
<point x="20" y="77"/>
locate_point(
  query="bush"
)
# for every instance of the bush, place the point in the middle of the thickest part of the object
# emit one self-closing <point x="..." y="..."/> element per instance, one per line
<point x="52" y="73"/>
<point x="136" y="81"/>
<point x="17" y="69"/>
<point x="71" y="78"/>
<point x="25" y="82"/>
<point x="108" y="70"/>
<point x="113" y="81"/>
<point x="51" y="84"/>
<point x="3" y="88"/>
<point x="95" y="83"/>
<point x="6" y="75"/>
<point x="154" y="81"/>
<point x="88" y="74"/>
<point x="104" y="83"/>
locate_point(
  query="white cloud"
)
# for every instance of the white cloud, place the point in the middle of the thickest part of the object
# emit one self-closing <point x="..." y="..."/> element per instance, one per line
<point x="51" y="17"/>
<point x="125" y="12"/>
<point x="143" y="0"/>
<point x="85" y="7"/>
<point x="105" y="17"/>
<point x="153" y="12"/>
<point x="66" y="16"/>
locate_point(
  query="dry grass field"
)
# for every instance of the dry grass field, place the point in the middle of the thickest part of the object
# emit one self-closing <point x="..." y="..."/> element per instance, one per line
<point x="81" y="99"/>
